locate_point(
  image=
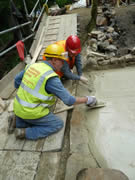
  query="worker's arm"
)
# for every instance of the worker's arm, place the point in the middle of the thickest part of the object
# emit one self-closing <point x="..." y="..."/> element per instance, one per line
<point x="78" y="64"/>
<point x="18" y="79"/>
<point x="67" y="72"/>
<point x="54" y="86"/>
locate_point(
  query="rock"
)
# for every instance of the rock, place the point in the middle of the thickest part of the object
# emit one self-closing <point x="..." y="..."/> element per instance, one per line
<point x="133" y="51"/>
<point x="115" y="35"/>
<point x="10" y="107"/>
<point x="58" y="12"/>
<point x="111" y="48"/>
<point x="111" y="54"/>
<point x="101" y="21"/>
<point x="100" y="174"/>
<point x="95" y="34"/>
<point x="103" y="45"/>
<point x="93" y="44"/>
<point x="129" y="57"/>
<point x="110" y="29"/>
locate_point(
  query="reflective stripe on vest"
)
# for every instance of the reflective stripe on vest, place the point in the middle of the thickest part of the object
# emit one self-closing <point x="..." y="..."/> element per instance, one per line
<point x="30" y="105"/>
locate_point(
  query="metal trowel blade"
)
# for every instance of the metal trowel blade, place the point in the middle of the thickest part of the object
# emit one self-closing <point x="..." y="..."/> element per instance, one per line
<point x="98" y="105"/>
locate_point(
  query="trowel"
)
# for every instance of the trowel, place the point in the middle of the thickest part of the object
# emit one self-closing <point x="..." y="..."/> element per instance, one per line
<point x="99" y="104"/>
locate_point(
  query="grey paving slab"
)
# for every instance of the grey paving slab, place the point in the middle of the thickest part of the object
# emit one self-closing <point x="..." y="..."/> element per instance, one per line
<point x="3" y="129"/>
<point x="16" y="165"/>
<point x="34" y="145"/>
<point x="78" y="133"/>
<point x="48" y="166"/>
<point x="7" y="82"/>
<point x="55" y="141"/>
<point x="13" y="144"/>
<point x="112" y="128"/>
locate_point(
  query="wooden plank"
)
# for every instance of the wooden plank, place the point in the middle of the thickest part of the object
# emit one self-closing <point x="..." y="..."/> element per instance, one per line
<point x="36" y="54"/>
<point x="54" y="142"/>
<point x="7" y="82"/>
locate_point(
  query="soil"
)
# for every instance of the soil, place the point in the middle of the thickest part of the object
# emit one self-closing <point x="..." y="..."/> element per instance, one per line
<point x="125" y="18"/>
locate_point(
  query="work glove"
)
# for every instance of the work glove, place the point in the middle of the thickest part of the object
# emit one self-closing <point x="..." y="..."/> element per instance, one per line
<point x="84" y="79"/>
<point x="91" y="101"/>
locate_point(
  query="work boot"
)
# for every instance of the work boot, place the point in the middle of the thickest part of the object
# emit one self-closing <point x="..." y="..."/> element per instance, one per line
<point x="20" y="133"/>
<point x="11" y="124"/>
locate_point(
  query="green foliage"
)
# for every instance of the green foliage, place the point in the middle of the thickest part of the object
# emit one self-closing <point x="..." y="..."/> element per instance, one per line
<point x="92" y="23"/>
<point x="62" y="3"/>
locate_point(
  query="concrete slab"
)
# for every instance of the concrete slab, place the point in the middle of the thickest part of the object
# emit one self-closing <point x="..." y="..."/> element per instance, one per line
<point x="112" y="128"/>
<point x="55" y="141"/>
<point x="18" y="165"/>
<point x="78" y="133"/>
<point x="7" y="82"/>
<point x="48" y="166"/>
<point x="3" y="129"/>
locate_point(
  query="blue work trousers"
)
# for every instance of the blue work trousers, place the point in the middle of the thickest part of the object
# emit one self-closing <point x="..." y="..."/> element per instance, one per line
<point x="40" y="128"/>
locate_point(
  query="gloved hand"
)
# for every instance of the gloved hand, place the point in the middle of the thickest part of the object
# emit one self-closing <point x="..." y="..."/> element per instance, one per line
<point x="84" y="79"/>
<point x="91" y="101"/>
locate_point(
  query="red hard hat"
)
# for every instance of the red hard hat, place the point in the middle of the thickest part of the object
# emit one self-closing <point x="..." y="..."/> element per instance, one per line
<point x="73" y="44"/>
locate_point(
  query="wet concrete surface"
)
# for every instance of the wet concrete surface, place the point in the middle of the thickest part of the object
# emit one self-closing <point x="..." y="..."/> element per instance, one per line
<point x="111" y="130"/>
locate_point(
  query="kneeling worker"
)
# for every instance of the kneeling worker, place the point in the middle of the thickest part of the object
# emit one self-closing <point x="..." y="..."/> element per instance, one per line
<point x="37" y="87"/>
<point x="73" y="46"/>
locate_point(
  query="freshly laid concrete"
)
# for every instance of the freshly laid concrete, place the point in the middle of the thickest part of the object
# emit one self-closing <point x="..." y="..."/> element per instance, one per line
<point x="111" y="130"/>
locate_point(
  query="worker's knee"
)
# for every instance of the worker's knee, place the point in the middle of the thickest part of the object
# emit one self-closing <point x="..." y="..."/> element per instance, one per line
<point x="60" y="124"/>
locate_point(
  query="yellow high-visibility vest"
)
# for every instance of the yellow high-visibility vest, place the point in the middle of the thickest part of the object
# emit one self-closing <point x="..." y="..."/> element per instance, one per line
<point x="32" y="101"/>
